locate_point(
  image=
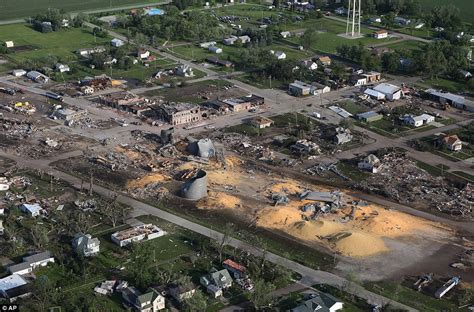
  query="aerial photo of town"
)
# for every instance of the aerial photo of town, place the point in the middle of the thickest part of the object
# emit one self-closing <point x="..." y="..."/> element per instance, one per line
<point x="237" y="155"/>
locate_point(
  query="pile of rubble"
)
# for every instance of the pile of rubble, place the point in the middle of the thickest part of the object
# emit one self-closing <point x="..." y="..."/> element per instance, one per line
<point x="16" y="128"/>
<point x="401" y="180"/>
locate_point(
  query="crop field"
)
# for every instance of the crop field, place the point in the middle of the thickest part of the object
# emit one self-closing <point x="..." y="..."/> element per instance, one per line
<point x="12" y="9"/>
<point x="465" y="6"/>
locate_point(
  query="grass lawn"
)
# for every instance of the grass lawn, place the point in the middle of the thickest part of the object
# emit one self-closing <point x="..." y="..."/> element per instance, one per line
<point x="261" y="82"/>
<point x="352" y="107"/>
<point x="411" y="297"/>
<point x="445" y="84"/>
<point x="411" y="45"/>
<point x="62" y="43"/>
<point x="11" y="9"/>
<point x="326" y="38"/>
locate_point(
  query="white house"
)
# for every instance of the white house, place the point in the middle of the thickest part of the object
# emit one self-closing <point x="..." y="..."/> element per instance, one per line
<point x="285" y="34"/>
<point x="151" y="301"/>
<point x="370" y="163"/>
<point x="62" y="68"/>
<point x="117" y="42"/>
<point x="416" y="121"/>
<point x="9" y="44"/>
<point x="31" y="262"/>
<point x="230" y="41"/>
<point x="280" y="55"/>
<point x="318" y="88"/>
<point x="319" y="302"/>
<point x="452" y="142"/>
<point x="215" y="49"/>
<point x="33" y="210"/>
<point x="390" y="91"/>
<point x="143" y="54"/>
<point x="381" y="34"/>
<point x="309" y="64"/>
<point x="85" y="245"/>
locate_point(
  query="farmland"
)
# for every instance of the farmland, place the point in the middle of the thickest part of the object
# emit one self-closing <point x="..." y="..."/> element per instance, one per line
<point x="10" y="9"/>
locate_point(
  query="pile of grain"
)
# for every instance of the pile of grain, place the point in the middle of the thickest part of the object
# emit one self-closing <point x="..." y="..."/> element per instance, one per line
<point x="219" y="200"/>
<point x="148" y="179"/>
<point x="289" y="187"/>
<point x="359" y="245"/>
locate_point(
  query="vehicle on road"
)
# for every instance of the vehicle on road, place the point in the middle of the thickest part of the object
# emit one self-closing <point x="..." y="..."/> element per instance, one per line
<point x="54" y="96"/>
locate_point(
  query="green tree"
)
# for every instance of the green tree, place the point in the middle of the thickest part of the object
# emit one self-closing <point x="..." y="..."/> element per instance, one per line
<point x="197" y="303"/>
<point x="261" y="296"/>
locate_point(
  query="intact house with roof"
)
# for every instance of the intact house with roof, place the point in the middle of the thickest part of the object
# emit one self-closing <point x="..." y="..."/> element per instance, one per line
<point x="299" y="88"/>
<point x="319" y="302"/>
<point x="216" y="281"/>
<point x="89" y="51"/>
<point x="309" y="65"/>
<point x="62" y="68"/>
<point x="417" y="121"/>
<point x="14" y="287"/>
<point x="369" y="116"/>
<point x="280" y="55"/>
<point x="31" y="262"/>
<point x="32" y="210"/>
<point x="370" y="163"/>
<point x="150" y="301"/>
<point x="85" y="245"/>
<point x="8" y="44"/>
<point x="232" y="39"/>
<point x="452" y="142"/>
<point x="381" y="34"/>
<point x="182" y="292"/>
<point x="117" y="42"/>
<point x="325" y="60"/>
<point x="238" y="270"/>
<point x="214" y="49"/>
<point x="143" y="54"/>
<point x="220" y="62"/>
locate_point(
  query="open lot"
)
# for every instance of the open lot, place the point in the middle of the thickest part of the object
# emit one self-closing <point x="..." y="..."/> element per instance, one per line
<point x="10" y="9"/>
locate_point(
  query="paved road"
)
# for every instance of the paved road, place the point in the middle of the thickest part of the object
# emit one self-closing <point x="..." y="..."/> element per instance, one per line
<point x="309" y="276"/>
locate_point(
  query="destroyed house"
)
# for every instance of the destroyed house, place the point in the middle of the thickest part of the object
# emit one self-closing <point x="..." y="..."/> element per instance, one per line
<point x="218" y="61"/>
<point x="235" y="268"/>
<point x="244" y="102"/>
<point x="137" y="233"/>
<point x="218" y="106"/>
<point x="125" y="101"/>
<point x="178" y="113"/>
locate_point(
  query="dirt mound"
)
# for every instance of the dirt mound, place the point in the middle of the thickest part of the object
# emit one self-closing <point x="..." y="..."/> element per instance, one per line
<point x="359" y="245"/>
<point x="148" y="179"/>
<point x="278" y="217"/>
<point x="224" y="177"/>
<point x="219" y="200"/>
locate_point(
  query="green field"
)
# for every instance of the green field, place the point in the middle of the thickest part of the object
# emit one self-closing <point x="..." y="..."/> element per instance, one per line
<point x="13" y="9"/>
<point x="465" y="6"/>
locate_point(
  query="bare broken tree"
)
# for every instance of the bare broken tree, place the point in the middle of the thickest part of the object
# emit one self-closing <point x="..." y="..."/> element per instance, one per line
<point x="115" y="212"/>
<point x="227" y="234"/>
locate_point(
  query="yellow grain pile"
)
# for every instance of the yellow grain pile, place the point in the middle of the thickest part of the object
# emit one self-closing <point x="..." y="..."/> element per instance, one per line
<point x="219" y="200"/>
<point x="289" y="187"/>
<point x="311" y="230"/>
<point x="278" y="217"/>
<point x="359" y="245"/>
<point x="148" y="179"/>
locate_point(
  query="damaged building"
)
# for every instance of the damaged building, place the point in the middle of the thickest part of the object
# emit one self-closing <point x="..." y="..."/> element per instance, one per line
<point x="175" y="113"/>
<point x="126" y="101"/>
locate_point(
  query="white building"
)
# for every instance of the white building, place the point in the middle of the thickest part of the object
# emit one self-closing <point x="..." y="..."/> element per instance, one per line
<point x="31" y="262"/>
<point x="390" y="91"/>
<point x="62" y="68"/>
<point x="381" y="34"/>
<point x="285" y="34"/>
<point x="37" y="76"/>
<point x="309" y="64"/>
<point x="206" y="45"/>
<point x="374" y="94"/>
<point x="143" y="54"/>
<point x="137" y="233"/>
<point x="417" y="121"/>
<point x="280" y="55"/>
<point x="33" y="210"/>
<point x="18" y="72"/>
<point x="9" y="44"/>
<point x="117" y="42"/>
<point x="85" y="245"/>
<point x="215" y="49"/>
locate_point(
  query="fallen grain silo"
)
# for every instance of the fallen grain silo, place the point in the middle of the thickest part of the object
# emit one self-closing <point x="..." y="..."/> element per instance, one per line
<point x="196" y="188"/>
<point x="203" y="148"/>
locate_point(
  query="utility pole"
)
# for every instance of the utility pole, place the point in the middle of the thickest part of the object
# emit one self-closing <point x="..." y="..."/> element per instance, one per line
<point x="91" y="183"/>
